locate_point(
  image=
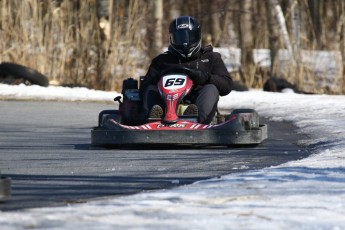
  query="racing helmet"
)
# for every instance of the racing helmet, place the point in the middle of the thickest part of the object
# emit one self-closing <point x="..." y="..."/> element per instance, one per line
<point x="185" y="36"/>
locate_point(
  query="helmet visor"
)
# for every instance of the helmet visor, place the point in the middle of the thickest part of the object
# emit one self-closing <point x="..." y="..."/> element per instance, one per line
<point x="185" y="37"/>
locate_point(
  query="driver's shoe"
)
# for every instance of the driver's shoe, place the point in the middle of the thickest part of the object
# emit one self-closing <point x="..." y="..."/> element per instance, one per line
<point x="191" y="110"/>
<point x="156" y="112"/>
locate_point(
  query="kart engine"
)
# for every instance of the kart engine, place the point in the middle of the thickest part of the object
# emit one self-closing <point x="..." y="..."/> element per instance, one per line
<point x="131" y="104"/>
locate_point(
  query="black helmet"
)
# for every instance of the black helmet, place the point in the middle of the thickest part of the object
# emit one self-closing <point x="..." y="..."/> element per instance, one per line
<point x="185" y="36"/>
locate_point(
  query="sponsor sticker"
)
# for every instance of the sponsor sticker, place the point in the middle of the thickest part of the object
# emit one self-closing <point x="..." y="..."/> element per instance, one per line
<point x="171" y="126"/>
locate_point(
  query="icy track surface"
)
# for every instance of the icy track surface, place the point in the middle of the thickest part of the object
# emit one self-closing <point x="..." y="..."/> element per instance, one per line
<point x="305" y="194"/>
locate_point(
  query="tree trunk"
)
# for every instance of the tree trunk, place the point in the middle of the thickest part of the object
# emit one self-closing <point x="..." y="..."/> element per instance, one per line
<point x="215" y="24"/>
<point x="174" y="11"/>
<point x="282" y="27"/>
<point x="247" y="70"/>
<point x="314" y="9"/>
<point x="273" y="39"/>
<point x="154" y="29"/>
<point x="295" y="22"/>
<point x="158" y="19"/>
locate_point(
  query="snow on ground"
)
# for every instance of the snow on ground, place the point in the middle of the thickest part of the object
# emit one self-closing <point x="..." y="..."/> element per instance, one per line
<point x="304" y="194"/>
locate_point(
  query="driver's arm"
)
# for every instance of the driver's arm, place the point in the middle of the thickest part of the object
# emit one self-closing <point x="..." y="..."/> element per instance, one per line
<point x="150" y="78"/>
<point x="219" y="75"/>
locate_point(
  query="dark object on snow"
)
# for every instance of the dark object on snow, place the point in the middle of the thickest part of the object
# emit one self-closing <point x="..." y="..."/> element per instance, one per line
<point x="238" y="86"/>
<point x="5" y="188"/>
<point x="11" y="73"/>
<point x="275" y="84"/>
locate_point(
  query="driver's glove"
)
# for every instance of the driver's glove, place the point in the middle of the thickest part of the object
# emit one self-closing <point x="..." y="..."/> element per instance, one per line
<point x="198" y="77"/>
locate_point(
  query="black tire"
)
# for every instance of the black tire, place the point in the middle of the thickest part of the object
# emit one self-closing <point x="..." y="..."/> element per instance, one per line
<point x="5" y="188"/>
<point x="23" y="72"/>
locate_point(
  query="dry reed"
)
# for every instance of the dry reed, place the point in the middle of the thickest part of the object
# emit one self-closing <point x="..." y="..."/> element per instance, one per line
<point x="73" y="44"/>
<point x="67" y="43"/>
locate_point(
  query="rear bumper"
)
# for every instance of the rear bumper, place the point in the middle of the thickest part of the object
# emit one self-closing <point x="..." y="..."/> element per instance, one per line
<point x="231" y="136"/>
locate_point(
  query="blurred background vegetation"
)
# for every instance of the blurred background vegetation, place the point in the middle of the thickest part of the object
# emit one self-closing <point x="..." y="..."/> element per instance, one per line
<point x="98" y="43"/>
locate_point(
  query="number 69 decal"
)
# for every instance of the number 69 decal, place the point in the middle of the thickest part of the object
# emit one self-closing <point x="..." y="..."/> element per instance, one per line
<point x="174" y="81"/>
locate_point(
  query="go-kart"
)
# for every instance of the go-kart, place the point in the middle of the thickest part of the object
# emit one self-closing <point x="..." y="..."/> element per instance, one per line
<point x="129" y="126"/>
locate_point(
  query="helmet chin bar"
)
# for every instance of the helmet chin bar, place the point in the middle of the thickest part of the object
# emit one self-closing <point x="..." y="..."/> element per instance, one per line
<point x="189" y="52"/>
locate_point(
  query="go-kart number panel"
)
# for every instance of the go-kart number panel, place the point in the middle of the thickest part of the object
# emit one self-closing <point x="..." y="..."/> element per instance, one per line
<point x="173" y="82"/>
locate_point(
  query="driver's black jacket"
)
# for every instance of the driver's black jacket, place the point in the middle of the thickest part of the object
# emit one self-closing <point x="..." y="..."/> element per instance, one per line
<point x="207" y="61"/>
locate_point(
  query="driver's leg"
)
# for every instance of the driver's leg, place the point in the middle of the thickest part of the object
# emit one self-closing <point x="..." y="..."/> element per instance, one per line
<point x="151" y="97"/>
<point x="206" y="101"/>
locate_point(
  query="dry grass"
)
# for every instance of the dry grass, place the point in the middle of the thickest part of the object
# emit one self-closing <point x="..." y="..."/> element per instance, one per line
<point x="70" y="44"/>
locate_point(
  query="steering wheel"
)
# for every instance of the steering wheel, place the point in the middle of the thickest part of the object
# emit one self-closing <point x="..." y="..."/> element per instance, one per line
<point x="176" y="69"/>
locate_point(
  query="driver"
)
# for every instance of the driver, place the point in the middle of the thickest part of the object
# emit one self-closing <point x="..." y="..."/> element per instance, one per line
<point x="208" y="72"/>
